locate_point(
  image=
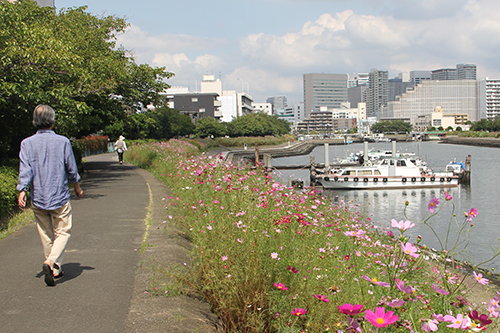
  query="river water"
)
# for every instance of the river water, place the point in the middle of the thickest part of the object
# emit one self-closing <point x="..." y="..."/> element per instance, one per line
<point x="381" y="206"/>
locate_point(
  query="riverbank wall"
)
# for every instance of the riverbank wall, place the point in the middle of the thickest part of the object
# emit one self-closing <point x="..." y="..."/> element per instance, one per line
<point x="482" y="142"/>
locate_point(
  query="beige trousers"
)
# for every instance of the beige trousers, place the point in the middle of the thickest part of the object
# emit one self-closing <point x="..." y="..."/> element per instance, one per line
<point x="54" y="227"/>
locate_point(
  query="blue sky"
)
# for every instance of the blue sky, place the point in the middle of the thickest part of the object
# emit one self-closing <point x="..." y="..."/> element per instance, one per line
<point x="266" y="46"/>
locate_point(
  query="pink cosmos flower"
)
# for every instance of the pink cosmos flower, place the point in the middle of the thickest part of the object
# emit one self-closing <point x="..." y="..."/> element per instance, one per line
<point x="429" y="325"/>
<point x="376" y="282"/>
<point x="274" y="255"/>
<point x="447" y="197"/>
<point x="280" y="286"/>
<point x="471" y="214"/>
<point x="322" y="298"/>
<point x="438" y="290"/>
<point x="224" y="258"/>
<point x="396" y="303"/>
<point x="349" y="309"/>
<point x="293" y="269"/>
<point x="401" y="286"/>
<point x="493" y="310"/>
<point x="456" y="322"/>
<point x="432" y="205"/>
<point x="479" y="278"/>
<point x="299" y="312"/>
<point x="410" y="249"/>
<point x="403" y="226"/>
<point x="380" y="318"/>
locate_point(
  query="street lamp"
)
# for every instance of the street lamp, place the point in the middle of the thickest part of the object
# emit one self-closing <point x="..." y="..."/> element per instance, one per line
<point x="248" y="86"/>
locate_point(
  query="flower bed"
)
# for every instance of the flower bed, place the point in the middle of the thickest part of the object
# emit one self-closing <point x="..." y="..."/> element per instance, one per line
<point x="269" y="258"/>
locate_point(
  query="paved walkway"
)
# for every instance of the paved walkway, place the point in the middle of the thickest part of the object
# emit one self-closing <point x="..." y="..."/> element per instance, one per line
<point x="105" y="273"/>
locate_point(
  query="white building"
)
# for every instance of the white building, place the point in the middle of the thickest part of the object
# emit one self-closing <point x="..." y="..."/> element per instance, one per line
<point x="233" y="104"/>
<point x="489" y="98"/>
<point x="454" y="96"/>
<point x="266" y="108"/>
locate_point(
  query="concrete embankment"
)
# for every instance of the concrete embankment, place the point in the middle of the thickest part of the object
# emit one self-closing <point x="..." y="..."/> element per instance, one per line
<point x="483" y="142"/>
<point x="293" y="149"/>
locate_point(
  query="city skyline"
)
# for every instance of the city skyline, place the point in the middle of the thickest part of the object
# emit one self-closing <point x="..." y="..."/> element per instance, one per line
<point x="265" y="47"/>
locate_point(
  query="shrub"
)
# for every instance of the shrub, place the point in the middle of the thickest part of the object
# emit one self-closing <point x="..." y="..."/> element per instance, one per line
<point x="93" y="144"/>
<point x="8" y="193"/>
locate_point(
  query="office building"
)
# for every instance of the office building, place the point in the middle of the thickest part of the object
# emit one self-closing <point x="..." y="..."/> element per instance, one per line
<point x="453" y="96"/>
<point x="417" y="77"/>
<point x="324" y="90"/>
<point x="278" y="102"/>
<point x="377" y="94"/>
<point x="489" y="98"/>
<point x="461" y="72"/>
<point x="397" y="87"/>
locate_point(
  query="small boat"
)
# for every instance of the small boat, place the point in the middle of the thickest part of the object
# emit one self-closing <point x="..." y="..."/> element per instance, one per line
<point x="387" y="173"/>
<point x="458" y="168"/>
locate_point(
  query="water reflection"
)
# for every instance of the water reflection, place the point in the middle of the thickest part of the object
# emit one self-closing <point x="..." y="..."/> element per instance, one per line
<point x="382" y="206"/>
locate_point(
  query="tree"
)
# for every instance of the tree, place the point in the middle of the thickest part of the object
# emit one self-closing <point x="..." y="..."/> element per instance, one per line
<point x="258" y="124"/>
<point x="395" y="126"/>
<point x="209" y="126"/>
<point x="160" y="124"/>
<point x="68" y="60"/>
<point x="144" y="85"/>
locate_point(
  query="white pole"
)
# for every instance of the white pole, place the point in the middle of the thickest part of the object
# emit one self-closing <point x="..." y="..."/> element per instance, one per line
<point x="327" y="157"/>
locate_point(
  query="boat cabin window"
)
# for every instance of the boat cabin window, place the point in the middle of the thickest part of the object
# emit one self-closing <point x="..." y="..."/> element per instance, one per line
<point x="349" y="172"/>
<point x="365" y="172"/>
<point x="388" y="162"/>
<point x="401" y="163"/>
<point x="377" y="172"/>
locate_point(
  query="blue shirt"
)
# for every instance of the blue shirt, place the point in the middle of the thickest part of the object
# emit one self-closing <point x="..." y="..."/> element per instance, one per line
<point x="47" y="162"/>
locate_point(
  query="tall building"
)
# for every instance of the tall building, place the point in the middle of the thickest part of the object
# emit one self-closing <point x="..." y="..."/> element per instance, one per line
<point x="453" y="96"/>
<point x="377" y="94"/>
<point x="356" y="95"/>
<point x="444" y="74"/>
<point x="466" y="72"/>
<point x="358" y="79"/>
<point x="461" y="72"/>
<point x="397" y="87"/>
<point x="417" y="77"/>
<point x="278" y="102"/>
<point x="324" y="90"/>
<point x="489" y="98"/>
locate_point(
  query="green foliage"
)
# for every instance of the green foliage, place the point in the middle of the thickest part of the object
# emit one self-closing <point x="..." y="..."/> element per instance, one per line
<point x="252" y="141"/>
<point x="258" y="124"/>
<point x="486" y="125"/>
<point x="210" y="126"/>
<point x="8" y="193"/>
<point x="159" y="124"/>
<point x="69" y="61"/>
<point x="391" y="126"/>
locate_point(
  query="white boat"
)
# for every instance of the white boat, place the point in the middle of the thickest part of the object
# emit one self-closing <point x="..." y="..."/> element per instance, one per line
<point x="389" y="173"/>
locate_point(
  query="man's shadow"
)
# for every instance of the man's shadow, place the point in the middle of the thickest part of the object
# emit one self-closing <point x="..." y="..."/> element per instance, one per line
<point x="71" y="271"/>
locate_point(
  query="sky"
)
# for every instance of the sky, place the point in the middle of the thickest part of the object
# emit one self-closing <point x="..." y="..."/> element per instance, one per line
<point x="265" y="46"/>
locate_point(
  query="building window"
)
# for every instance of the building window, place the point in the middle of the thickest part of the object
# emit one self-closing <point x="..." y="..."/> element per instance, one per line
<point x="202" y="110"/>
<point x="194" y="99"/>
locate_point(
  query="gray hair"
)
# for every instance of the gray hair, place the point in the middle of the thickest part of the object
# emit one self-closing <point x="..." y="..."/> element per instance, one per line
<point x="43" y="116"/>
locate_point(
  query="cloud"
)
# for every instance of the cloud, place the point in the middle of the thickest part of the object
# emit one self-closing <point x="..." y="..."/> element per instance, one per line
<point x="145" y="45"/>
<point x="261" y="82"/>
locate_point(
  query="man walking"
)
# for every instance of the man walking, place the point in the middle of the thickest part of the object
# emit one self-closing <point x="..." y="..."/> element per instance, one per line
<point x="47" y="163"/>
